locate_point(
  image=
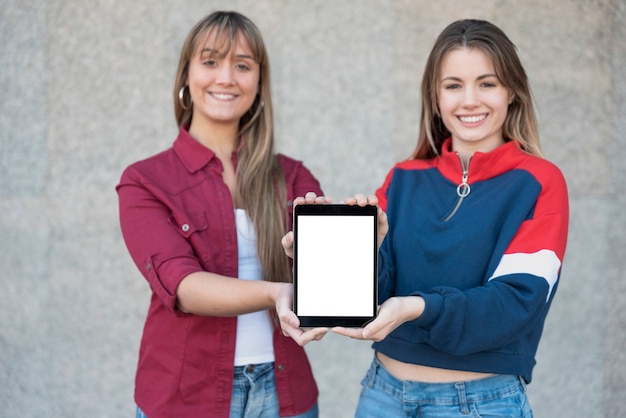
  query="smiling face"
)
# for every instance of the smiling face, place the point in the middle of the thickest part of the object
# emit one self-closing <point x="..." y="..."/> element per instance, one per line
<point x="472" y="101"/>
<point x="223" y="84"/>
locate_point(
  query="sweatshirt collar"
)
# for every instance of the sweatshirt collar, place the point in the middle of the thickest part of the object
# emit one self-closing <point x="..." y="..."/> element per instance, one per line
<point x="482" y="165"/>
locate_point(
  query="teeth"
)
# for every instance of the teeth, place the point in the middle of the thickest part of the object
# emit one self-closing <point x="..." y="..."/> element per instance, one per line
<point x="472" y="119"/>
<point x="222" y="96"/>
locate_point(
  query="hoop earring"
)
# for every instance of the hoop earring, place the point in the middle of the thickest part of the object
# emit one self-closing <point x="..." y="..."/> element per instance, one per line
<point x="181" y="99"/>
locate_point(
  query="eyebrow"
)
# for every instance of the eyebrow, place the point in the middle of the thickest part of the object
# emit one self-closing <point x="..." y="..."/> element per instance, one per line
<point x="454" y="78"/>
<point x="213" y="51"/>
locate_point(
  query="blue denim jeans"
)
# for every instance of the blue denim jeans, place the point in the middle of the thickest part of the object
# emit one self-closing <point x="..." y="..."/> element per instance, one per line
<point x="383" y="395"/>
<point x="254" y="394"/>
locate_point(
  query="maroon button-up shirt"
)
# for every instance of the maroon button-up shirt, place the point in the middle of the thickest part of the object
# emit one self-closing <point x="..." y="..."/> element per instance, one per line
<point x="177" y="217"/>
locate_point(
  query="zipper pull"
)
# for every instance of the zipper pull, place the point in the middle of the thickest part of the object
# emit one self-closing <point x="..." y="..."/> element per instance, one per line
<point x="463" y="189"/>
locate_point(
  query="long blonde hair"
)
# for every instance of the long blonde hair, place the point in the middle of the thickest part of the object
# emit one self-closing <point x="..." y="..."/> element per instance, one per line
<point x="520" y="124"/>
<point x="259" y="176"/>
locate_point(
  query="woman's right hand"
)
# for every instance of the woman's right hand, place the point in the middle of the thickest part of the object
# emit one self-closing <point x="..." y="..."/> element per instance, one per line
<point x="289" y="322"/>
<point x="362" y="200"/>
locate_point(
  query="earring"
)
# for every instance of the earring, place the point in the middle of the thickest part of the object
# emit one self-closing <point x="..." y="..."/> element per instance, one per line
<point x="181" y="99"/>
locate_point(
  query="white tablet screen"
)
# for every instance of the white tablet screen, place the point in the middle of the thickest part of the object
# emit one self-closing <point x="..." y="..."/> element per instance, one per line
<point x="335" y="264"/>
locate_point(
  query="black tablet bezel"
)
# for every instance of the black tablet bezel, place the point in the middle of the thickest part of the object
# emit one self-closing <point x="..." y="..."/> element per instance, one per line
<point x="336" y="210"/>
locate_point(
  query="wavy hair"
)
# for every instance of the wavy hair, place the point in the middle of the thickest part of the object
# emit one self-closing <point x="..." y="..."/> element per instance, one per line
<point x="259" y="176"/>
<point x="520" y="124"/>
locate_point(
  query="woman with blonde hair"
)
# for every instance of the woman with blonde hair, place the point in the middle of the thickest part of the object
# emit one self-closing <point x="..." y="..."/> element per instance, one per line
<point x="202" y="221"/>
<point x="477" y="228"/>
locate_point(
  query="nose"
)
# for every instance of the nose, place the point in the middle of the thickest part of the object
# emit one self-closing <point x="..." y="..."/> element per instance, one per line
<point x="225" y="75"/>
<point x="470" y="97"/>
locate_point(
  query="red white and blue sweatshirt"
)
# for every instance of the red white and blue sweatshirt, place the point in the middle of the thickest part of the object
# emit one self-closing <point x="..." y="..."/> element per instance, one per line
<point x="483" y="245"/>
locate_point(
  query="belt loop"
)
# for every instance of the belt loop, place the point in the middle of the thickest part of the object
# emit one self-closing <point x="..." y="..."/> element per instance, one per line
<point x="371" y="374"/>
<point x="460" y="389"/>
<point x="523" y="383"/>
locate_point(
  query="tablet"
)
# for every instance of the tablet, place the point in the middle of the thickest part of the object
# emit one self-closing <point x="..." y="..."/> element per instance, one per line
<point x="335" y="265"/>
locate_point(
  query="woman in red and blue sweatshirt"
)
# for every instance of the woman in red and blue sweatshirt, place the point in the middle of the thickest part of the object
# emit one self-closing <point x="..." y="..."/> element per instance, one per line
<point x="477" y="232"/>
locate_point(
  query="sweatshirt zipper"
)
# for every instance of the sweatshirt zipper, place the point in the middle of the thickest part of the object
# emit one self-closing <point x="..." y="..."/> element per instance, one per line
<point x="463" y="189"/>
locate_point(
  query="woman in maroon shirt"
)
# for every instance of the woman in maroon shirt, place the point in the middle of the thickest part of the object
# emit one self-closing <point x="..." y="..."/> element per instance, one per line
<point x="187" y="214"/>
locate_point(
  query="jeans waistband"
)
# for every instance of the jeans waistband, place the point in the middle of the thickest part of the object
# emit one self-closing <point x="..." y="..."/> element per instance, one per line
<point x="252" y="370"/>
<point x="451" y="393"/>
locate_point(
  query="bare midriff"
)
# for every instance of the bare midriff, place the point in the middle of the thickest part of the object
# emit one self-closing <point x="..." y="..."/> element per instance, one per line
<point x="418" y="373"/>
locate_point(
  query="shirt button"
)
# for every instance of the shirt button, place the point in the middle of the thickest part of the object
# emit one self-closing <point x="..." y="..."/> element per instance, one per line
<point x="185" y="227"/>
<point x="281" y="367"/>
<point x="148" y="266"/>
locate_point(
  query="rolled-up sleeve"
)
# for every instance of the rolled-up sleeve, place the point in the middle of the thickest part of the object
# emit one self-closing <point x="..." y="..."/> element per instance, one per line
<point x="160" y="251"/>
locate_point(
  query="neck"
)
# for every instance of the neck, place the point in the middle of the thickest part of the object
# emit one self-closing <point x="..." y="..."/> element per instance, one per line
<point x="465" y="150"/>
<point x="219" y="138"/>
<point x="464" y="156"/>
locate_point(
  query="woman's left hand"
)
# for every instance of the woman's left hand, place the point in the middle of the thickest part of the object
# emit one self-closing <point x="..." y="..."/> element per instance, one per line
<point x="309" y="199"/>
<point x="391" y="314"/>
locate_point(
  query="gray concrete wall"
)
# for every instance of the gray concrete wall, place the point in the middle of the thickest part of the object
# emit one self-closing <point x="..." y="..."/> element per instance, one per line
<point x="86" y="91"/>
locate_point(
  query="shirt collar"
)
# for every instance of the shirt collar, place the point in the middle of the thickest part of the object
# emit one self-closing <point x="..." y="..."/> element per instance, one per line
<point x="192" y="153"/>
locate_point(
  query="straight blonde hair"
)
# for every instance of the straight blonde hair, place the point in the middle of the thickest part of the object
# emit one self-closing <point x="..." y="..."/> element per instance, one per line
<point x="520" y="124"/>
<point x="259" y="176"/>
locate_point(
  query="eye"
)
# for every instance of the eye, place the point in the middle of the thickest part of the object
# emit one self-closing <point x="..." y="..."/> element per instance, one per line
<point x="243" y="67"/>
<point x="452" y="86"/>
<point x="210" y="62"/>
<point x="489" y="82"/>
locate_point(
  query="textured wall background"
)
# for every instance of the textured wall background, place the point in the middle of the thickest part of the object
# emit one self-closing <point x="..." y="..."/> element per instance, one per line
<point x="86" y="91"/>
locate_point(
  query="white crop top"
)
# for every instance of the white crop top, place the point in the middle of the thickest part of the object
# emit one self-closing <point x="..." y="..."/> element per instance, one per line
<point x="254" y="330"/>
